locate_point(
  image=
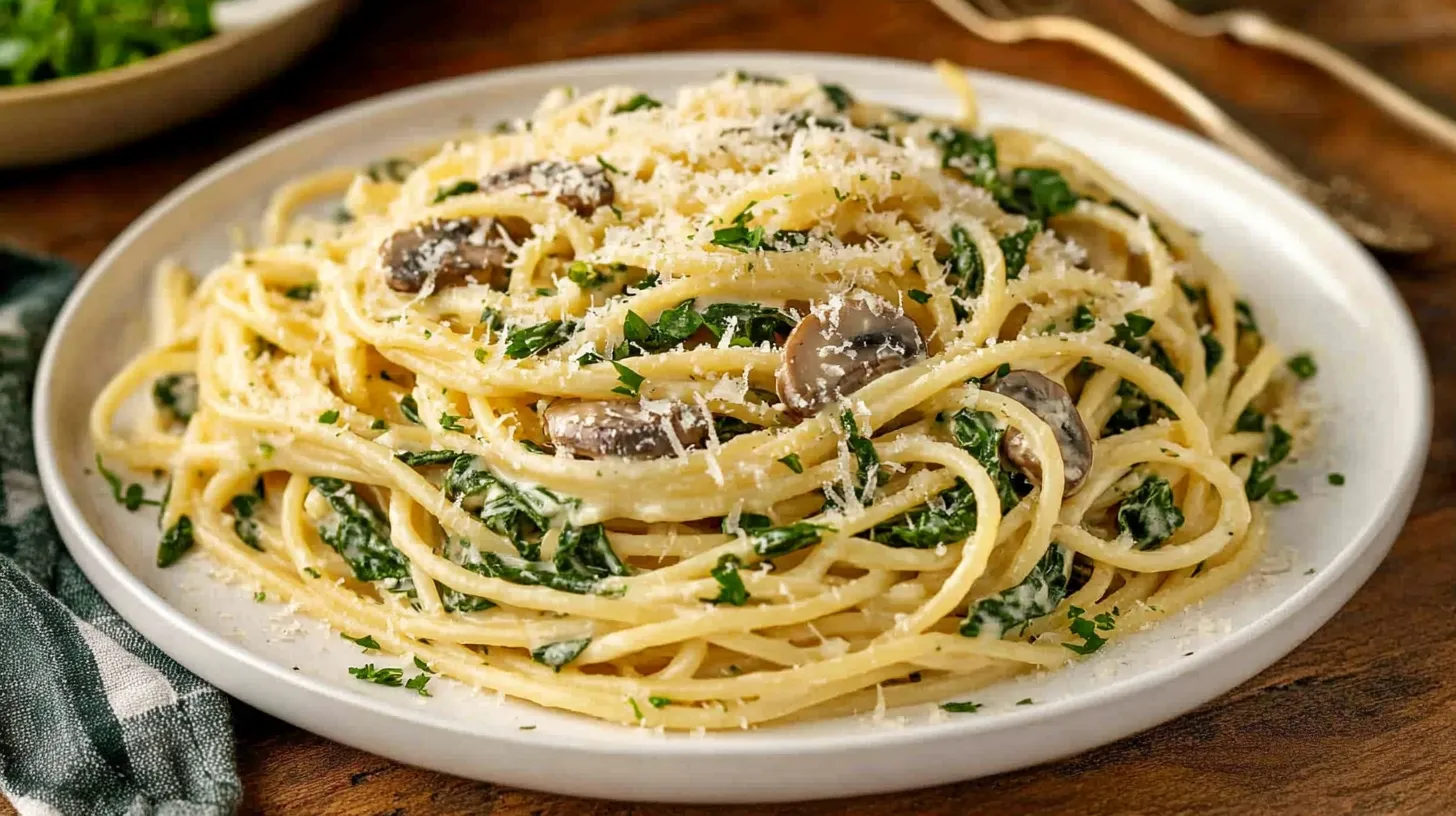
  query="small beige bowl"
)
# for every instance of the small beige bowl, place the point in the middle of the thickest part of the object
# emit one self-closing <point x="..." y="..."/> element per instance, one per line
<point x="66" y="118"/>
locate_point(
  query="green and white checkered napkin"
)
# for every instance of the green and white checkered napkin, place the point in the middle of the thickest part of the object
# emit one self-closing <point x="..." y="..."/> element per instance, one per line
<point x="93" y="719"/>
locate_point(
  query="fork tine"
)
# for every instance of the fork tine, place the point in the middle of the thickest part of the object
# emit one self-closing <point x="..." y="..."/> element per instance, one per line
<point x="984" y="18"/>
<point x="993" y="8"/>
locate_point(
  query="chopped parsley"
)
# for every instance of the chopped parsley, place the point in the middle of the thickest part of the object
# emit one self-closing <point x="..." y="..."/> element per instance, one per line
<point x="658" y="702"/>
<point x="1036" y="596"/>
<point x="429" y="457"/>
<point x="586" y="551"/>
<point x="1249" y="421"/>
<point x="749" y="323"/>
<point x="639" y="102"/>
<point x="538" y="339"/>
<point x="519" y="514"/>
<point x="867" y="474"/>
<point x="1038" y="193"/>
<point x="964" y="268"/>
<point x="175" y="542"/>
<point x="1149" y="516"/>
<point x="561" y="653"/>
<point x="673" y="327"/>
<point x="410" y="409"/>
<point x="1244" y="317"/>
<point x="176" y="396"/>
<point x="1303" y="366"/>
<point x="773" y="542"/>
<point x="966" y="707"/>
<point x="1260" y="482"/>
<point x="448" y="423"/>
<point x="458" y="188"/>
<point x="973" y="155"/>
<point x="417" y="684"/>
<point x="1129" y="332"/>
<point x="1212" y="352"/>
<point x="1014" y="248"/>
<point x="756" y="79"/>
<point x="919" y="296"/>
<point x="490" y="317"/>
<point x="589" y="277"/>
<point x="747" y="522"/>
<point x="946" y="519"/>
<point x="531" y="573"/>
<point x="1135" y="409"/>
<point x="1083" y="319"/>
<point x="245" y="508"/>
<point x="132" y="497"/>
<point x="838" y="96"/>
<point x="792" y="463"/>
<point x="328" y="417"/>
<point x="1336" y="479"/>
<point x="738" y="236"/>
<point x="727" y="427"/>
<point x="360" y="534"/>
<point x="1087" y="630"/>
<point x="303" y="291"/>
<point x="631" y="381"/>
<point x="365" y="642"/>
<point x="392" y="168"/>
<point x="393" y="677"/>
<point x="731" y="590"/>
<point x="976" y="433"/>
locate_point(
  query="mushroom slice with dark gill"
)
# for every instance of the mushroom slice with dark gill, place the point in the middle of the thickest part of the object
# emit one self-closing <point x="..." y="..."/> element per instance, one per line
<point x="446" y="252"/>
<point x="1053" y="405"/>
<point x="597" y="428"/>
<point x="581" y="187"/>
<point x="852" y="344"/>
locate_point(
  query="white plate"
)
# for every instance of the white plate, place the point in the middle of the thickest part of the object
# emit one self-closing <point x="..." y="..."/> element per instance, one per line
<point x="1314" y="288"/>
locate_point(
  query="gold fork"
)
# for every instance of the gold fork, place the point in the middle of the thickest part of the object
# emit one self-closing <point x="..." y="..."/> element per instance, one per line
<point x="1376" y="225"/>
<point x="1253" y="28"/>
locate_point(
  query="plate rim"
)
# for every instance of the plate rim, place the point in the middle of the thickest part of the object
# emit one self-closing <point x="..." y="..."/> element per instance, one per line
<point x="116" y="582"/>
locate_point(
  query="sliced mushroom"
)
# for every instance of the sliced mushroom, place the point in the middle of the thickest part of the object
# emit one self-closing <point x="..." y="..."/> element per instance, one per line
<point x="581" y="187"/>
<point x="447" y="252"/>
<point x="1052" y="405"/>
<point x="597" y="428"/>
<point x="855" y="343"/>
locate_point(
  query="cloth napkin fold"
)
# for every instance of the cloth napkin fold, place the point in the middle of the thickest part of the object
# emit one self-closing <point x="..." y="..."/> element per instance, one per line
<point x="93" y="718"/>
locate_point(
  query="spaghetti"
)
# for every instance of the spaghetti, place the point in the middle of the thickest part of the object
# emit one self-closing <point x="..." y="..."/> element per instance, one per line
<point x="758" y="404"/>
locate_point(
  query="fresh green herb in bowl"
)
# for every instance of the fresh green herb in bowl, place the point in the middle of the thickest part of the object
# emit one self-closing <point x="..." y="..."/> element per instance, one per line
<point x="51" y="39"/>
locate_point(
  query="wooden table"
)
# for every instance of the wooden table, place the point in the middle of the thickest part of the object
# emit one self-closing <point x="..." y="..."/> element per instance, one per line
<point x="1359" y="719"/>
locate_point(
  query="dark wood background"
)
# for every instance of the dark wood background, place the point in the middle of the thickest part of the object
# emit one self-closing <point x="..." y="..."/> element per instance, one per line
<point x="1359" y="719"/>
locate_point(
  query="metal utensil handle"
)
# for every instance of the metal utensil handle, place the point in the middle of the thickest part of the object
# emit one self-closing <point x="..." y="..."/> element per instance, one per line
<point x="1252" y="28"/>
<point x="1208" y="116"/>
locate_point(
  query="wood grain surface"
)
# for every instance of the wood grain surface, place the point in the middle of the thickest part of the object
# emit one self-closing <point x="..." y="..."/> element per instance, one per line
<point x="1359" y="719"/>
